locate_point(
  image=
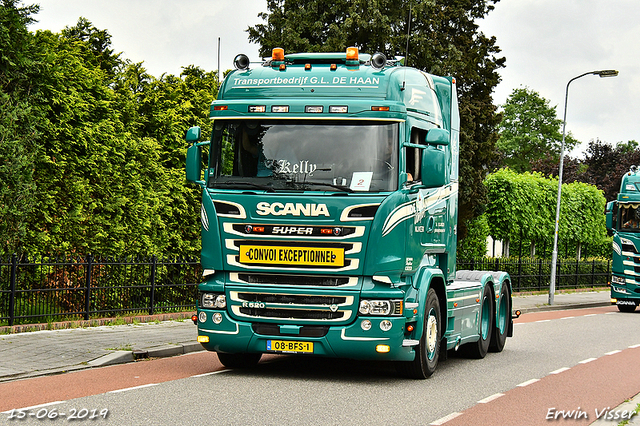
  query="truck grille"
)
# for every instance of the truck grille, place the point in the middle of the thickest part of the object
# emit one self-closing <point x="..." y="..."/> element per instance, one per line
<point x="287" y="299"/>
<point x="297" y="280"/>
<point x="296" y="314"/>
<point x="305" y="307"/>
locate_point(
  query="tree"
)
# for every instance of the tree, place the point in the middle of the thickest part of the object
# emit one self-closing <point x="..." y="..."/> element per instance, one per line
<point x="112" y="181"/>
<point x="522" y="209"/>
<point x="603" y="165"/>
<point x="530" y="131"/>
<point x="19" y="74"/>
<point x="444" y="40"/>
<point x="606" y="164"/>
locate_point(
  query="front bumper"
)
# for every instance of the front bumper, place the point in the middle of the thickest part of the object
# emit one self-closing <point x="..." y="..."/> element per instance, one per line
<point x="348" y="341"/>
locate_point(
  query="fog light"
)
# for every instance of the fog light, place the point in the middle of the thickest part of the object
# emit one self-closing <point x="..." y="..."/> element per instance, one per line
<point x="203" y="339"/>
<point x="202" y="317"/>
<point x="385" y="325"/>
<point x="366" y="325"/>
<point x="216" y="318"/>
<point x="383" y="349"/>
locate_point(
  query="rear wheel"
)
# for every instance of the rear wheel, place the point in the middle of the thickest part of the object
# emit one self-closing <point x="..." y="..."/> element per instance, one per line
<point x="499" y="335"/>
<point x="239" y="361"/>
<point x="480" y="348"/>
<point x="428" y="350"/>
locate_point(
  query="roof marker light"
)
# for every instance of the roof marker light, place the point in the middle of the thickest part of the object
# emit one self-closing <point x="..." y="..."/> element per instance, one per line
<point x="352" y="53"/>
<point x="277" y="54"/>
<point x="313" y="108"/>
<point x="220" y="107"/>
<point x="379" y="108"/>
<point x="257" y="108"/>
<point x="280" y="108"/>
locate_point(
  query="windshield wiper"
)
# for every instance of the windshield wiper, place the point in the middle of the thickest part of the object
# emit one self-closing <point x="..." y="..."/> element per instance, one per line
<point x="340" y="187"/>
<point x="237" y="182"/>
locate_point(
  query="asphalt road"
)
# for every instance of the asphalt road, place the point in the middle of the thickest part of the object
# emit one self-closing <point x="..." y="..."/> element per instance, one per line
<point x="580" y="359"/>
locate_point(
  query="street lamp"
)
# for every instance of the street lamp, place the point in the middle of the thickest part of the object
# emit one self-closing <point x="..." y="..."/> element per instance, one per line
<point x="554" y="254"/>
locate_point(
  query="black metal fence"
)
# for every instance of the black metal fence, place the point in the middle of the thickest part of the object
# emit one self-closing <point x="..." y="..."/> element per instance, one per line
<point x="534" y="274"/>
<point x="55" y="289"/>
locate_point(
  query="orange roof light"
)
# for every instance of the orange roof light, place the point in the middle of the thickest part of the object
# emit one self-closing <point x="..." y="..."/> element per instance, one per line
<point x="277" y="54"/>
<point x="352" y="53"/>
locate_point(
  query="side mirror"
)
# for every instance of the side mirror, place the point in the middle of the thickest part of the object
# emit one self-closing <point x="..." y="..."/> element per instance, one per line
<point x="433" y="172"/>
<point x="193" y="134"/>
<point x="611" y="213"/>
<point x="438" y="137"/>
<point x="194" y="155"/>
<point x="194" y="167"/>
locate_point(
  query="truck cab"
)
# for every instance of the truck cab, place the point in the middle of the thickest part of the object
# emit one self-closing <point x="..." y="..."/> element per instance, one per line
<point x="329" y="214"/>
<point x="623" y="222"/>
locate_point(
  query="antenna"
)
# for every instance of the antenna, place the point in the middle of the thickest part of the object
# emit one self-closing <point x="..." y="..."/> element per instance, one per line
<point x="218" y="62"/>
<point x="408" y="34"/>
<point x="406" y="62"/>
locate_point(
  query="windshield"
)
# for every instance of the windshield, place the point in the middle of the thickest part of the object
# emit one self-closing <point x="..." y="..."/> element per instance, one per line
<point x="629" y="217"/>
<point x="305" y="155"/>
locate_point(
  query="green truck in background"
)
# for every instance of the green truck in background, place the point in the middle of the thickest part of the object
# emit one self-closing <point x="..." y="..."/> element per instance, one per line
<point x="623" y="221"/>
<point x="329" y="212"/>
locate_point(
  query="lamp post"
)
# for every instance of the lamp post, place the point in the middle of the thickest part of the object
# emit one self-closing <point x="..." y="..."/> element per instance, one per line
<point x="554" y="254"/>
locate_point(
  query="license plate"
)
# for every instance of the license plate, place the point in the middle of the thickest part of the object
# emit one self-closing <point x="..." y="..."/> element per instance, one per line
<point x="289" y="346"/>
<point x="282" y="255"/>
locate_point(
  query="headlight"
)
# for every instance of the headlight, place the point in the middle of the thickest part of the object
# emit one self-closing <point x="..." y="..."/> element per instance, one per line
<point x="221" y="301"/>
<point x="380" y="307"/>
<point x="214" y="301"/>
<point x="617" y="280"/>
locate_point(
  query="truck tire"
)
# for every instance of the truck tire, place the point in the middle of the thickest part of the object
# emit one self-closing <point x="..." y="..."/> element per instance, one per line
<point x="503" y="316"/>
<point x="239" y="361"/>
<point x="480" y="348"/>
<point x="626" y="308"/>
<point x="428" y="350"/>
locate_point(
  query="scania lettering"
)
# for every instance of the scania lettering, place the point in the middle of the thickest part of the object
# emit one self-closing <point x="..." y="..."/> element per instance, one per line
<point x="623" y="221"/>
<point x="329" y="217"/>
<point x="279" y="209"/>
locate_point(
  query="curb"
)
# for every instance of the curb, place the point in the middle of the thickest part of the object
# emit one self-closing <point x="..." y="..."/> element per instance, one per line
<point x="95" y="322"/>
<point x="545" y="308"/>
<point x="167" y="350"/>
<point x="117" y="357"/>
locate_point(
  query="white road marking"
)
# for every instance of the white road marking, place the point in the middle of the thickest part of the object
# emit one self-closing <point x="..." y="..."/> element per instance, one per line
<point x="445" y="419"/>
<point x="135" y="387"/>
<point x="527" y="383"/>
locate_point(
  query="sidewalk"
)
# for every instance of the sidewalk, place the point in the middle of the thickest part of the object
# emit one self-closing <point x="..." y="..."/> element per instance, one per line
<point x="46" y="352"/>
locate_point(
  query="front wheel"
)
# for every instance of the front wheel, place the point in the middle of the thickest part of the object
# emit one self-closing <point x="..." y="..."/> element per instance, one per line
<point x="239" y="361"/>
<point x="428" y="350"/>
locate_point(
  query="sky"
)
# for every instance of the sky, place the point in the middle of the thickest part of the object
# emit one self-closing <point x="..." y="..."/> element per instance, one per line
<point x="545" y="42"/>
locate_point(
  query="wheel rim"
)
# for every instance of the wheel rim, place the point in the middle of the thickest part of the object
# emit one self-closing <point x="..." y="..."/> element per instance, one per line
<point x="486" y="317"/>
<point x="432" y="334"/>
<point x="502" y="315"/>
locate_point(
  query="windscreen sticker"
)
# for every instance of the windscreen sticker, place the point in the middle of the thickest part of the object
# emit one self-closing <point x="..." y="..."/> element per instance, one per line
<point x="361" y="181"/>
<point x="284" y="166"/>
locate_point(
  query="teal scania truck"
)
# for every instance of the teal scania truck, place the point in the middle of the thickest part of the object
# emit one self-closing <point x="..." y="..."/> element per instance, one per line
<point x="329" y="210"/>
<point x="623" y="221"/>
